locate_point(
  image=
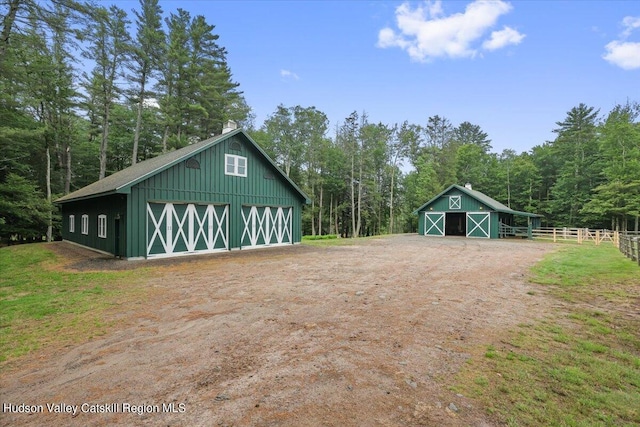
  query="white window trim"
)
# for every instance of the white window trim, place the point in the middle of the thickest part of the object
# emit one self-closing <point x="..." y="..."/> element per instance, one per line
<point x="236" y="160"/>
<point x="457" y="204"/>
<point x="72" y="223"/>
<point x="102" y="226"/>
<point x="85" y="224"/>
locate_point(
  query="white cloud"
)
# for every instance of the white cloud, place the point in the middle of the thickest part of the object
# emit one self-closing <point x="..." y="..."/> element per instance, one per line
<point x="630" y="23"/>
<point x="502" y="38"/>
<point x="286" y="74"/>
<point x="622" y="53"/>
<point x="426" y="33"/>
<point x="625" y="55"/>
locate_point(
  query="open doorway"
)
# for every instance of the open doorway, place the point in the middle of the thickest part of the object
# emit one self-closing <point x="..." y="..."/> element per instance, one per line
<point x="456" y="224"/>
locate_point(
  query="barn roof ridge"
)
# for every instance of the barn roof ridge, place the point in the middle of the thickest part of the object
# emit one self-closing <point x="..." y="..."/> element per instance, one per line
<point x="481" y="197"/>
<point x="122" y="181"/>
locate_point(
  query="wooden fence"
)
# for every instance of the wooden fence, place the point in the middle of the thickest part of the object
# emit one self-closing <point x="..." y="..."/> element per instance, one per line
<point x="578" y="235"/>
<point x="628" y="242"/>
<point x="511" y="231"/>
<point x="630" y="246"/>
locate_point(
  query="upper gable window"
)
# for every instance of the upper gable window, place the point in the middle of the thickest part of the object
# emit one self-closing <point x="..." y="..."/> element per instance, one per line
<point x="235" y="165"/>
<point x="193" y="163"/>
<point x="454" y="202"/>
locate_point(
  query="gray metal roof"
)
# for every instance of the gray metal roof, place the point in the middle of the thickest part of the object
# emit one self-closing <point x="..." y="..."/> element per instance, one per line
<point x="121" y="181"/>
<point x="482" y="198"/>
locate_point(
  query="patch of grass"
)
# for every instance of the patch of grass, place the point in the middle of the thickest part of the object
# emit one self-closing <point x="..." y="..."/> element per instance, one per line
<point x="579" y="367"/>
<point x="335" y="241"/>
<point x="584" y="265"/>
<point x="322" y="237"/>
<point x="490" y="353"/>
<point x="40" y="303"/>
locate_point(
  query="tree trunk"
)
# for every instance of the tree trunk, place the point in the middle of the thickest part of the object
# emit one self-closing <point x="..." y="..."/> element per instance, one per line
<point x="103" y="143"/>
<point x="393" y="174"/>
<point x="165" y="139"/>
<point x="335" y="212"/>
<point x="7" y="25"/>
<point x="359" y="223"/>
<point x="136" y="135"/>
<point x="508" y="188"/>
<point x="50" y="220"/>
<point x="320" y="214"/>
<point x="331" y="214"/>
<point x="353" y="198"/>
<point x="67" y="178"/>
<point x="313" y="212"/>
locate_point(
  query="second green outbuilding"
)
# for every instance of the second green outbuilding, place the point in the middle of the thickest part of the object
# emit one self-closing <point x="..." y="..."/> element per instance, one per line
<point x="462" y="211"/>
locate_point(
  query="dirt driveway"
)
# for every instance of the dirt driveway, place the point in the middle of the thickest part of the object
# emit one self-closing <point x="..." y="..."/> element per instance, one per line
<point x="361" y="335"/>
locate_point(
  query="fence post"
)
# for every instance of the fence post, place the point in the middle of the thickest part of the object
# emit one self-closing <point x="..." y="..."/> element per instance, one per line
<point x="616" y="239"/>
<point x="597" y="237"/>
<point x="580" y="236"/>
<point x="554" y="234"/>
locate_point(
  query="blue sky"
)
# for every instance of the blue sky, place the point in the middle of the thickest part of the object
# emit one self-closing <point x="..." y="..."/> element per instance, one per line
<point x="513" y="68"/>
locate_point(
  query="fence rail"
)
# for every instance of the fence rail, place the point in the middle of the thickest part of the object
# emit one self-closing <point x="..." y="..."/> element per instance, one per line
<point x="630" y="246"/>
<point x="628" y="241"/>
<point x="578" y="234"/>
<point x="511" y="231"/>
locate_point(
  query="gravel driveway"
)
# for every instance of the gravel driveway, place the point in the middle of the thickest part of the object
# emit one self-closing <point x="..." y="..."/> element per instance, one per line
<point x="355" y="335"/>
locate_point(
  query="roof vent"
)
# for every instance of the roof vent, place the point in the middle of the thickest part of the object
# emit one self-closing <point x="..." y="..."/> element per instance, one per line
<point x="229" y="126"/>
<point x="468" y="186"/>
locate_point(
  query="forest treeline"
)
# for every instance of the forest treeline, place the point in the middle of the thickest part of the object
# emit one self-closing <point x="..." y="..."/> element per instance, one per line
<point x="88" y="90"/>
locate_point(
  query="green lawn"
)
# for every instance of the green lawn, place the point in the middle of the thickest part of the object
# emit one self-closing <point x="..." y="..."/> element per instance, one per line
<point x="334" y="240"/>
<point x="581" y="367"/>
<point x="40" y="303"/>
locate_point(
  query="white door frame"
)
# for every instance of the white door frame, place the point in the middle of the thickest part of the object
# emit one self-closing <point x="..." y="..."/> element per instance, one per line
<point x="478" y="224"/>
<point x="443" y="217"/>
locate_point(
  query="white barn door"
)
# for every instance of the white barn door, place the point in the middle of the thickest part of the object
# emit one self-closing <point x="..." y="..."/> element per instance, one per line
<point x="266" y="226"/>
<point x="434" y="223"/>
<point x="178" y="229"/>
<point x="479" y="224"/>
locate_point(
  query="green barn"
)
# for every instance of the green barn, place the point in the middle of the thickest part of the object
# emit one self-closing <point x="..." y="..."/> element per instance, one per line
<point x="462" y="211"/>
<point x="219" y="194"/>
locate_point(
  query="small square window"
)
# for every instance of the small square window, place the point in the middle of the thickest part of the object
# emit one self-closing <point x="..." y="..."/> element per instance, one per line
<point x="85" y="224"/>
<point x="231" y="165"/>
<point x="454" y="202"/>
<point x="242" y="166"/>
<point x="235" y="165"/>
<point x="102" y="226"/>
<point x="72" y="223"/>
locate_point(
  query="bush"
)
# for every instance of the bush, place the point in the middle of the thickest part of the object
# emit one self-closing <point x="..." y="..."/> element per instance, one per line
<point x="323" y="237"/>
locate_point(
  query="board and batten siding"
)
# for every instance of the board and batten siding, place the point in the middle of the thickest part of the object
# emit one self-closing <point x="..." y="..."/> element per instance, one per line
<point x="263" y="186"/>
<point x="113" y="206"/>
<point x="468" y="204"/>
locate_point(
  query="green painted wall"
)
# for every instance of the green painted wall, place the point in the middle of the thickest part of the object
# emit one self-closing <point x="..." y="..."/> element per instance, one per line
<point x="263" y="185"/>
<point x="112" y="206"/>
<point x="468" y="204"/>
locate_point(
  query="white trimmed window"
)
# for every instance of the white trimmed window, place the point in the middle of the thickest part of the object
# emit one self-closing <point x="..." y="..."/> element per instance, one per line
<point x="102" y="226"/>
<point x="454" y="202"/>
<point x="85" y="224"/>
<point x="72" y="223"/>
<point x="235" y="165"/>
